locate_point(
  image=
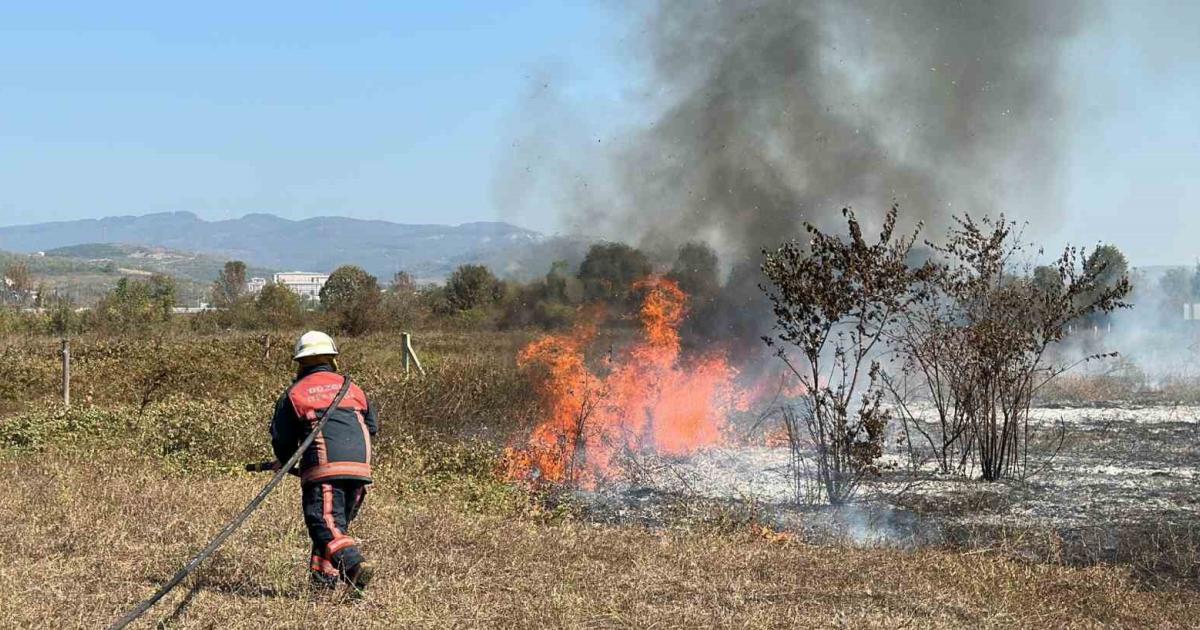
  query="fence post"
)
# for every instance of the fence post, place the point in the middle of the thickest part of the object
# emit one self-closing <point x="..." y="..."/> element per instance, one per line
<point x="66" y="372"/>
<point x="410" y="355"/>
<point x="404" y="350"/>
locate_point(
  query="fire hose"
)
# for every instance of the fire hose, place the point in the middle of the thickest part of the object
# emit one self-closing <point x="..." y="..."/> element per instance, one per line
<point x="232" y="526"/>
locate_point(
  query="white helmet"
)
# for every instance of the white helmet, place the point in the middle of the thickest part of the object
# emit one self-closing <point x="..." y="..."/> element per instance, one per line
<point x="314" y="343"/>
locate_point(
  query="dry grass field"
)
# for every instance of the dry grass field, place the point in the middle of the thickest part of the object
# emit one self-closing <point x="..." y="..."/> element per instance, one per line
<point x="103" y="502"/>
<point x="91" y="534"/>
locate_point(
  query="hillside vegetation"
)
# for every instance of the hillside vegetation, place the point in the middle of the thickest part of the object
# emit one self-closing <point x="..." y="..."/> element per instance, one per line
<point x="87" y="271"/>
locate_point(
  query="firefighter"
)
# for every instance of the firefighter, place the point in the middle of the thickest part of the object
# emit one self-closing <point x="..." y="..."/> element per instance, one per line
<point x="336" y="469"/>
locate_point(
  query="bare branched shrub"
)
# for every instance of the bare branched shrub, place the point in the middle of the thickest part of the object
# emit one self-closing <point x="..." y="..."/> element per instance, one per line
<point x="977" y="338"/>
<point x="834" y="301"/>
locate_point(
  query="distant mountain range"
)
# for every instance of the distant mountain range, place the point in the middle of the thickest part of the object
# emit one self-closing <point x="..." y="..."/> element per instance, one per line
<point x="428" y="252"/>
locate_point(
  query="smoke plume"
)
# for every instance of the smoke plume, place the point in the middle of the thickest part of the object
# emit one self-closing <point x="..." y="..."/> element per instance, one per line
<point x="774" y="112"/>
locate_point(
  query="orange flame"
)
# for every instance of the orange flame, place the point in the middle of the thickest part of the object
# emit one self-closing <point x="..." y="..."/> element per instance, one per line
<point x="650" y="399"/>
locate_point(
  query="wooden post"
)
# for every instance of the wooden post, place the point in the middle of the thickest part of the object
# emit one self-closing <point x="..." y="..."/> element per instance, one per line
<point x="66" y="372"/>
<point x="404" y="350"/>
<point x="410" y="355"/>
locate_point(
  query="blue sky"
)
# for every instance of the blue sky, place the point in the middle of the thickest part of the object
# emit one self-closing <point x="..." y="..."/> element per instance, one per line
<point x="389" y="110"/>
<point x="407" y="111"/>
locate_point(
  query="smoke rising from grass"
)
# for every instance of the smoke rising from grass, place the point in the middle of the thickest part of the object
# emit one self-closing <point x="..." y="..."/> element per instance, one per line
<point x="775" y="112"/>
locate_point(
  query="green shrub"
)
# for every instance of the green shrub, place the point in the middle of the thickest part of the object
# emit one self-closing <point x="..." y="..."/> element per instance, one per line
<point x="208" y="432"/>
<point x="34" y="430"/>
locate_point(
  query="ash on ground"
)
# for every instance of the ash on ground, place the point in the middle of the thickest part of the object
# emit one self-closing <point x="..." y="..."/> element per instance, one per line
<point x="1121" y="472"/>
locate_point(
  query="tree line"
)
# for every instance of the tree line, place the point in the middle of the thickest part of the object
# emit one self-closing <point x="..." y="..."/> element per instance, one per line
<point x="355" y="302"/>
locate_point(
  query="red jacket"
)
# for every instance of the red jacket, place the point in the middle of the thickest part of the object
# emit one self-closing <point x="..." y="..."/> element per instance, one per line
<point x="343" y="448"/>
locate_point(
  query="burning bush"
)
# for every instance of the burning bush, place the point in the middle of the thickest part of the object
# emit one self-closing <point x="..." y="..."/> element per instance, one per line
<point x="647" y="398"/>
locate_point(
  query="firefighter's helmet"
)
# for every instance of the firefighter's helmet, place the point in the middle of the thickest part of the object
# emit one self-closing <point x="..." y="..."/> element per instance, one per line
<point x="314" y="343"/>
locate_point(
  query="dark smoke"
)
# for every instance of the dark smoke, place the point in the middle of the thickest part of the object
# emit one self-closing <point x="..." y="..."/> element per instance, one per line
<point x="783" y="111"/>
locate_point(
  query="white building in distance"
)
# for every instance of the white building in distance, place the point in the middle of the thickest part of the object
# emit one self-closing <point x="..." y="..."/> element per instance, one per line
<point x="306" y="284"/>
<point x="255" y="285"/>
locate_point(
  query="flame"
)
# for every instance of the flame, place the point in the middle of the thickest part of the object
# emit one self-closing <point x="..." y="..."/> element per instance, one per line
<point x="649" y="399"/>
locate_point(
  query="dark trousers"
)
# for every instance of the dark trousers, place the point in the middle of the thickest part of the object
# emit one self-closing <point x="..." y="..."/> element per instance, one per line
<point x="329" y="507"/>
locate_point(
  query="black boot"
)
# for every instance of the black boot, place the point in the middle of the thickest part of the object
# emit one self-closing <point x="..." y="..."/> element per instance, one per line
<point x="359" y="575"/>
